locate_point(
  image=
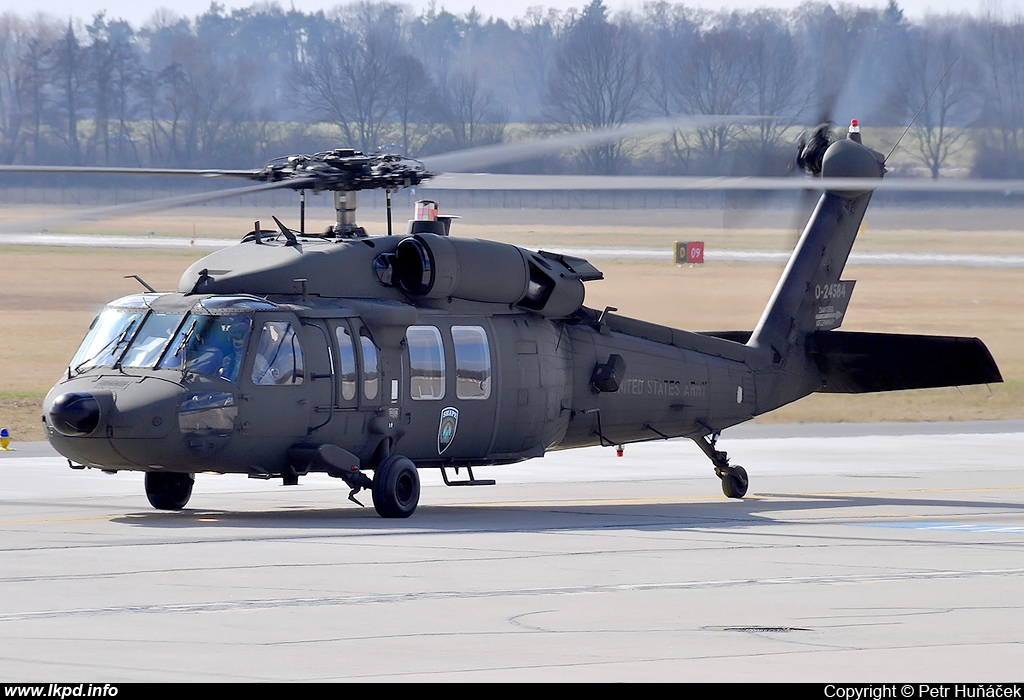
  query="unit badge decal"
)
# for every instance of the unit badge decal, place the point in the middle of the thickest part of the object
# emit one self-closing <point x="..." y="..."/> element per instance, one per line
<point x="446" y="431"/>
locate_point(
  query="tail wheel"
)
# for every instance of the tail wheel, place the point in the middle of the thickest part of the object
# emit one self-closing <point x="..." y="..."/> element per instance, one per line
<point x="734" y="485"/>
<point x="396" y="487"/>
<point x="169" y="490"/>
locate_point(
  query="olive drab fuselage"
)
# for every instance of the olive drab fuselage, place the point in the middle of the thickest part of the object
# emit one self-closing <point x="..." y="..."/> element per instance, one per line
<point x="443" y="381"/>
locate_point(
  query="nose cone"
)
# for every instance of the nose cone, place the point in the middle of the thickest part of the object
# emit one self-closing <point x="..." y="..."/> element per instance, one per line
<point x="75" y="414"/>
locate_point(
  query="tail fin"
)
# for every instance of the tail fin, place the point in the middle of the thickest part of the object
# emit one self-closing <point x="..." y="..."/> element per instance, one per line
<point x="813" y="272"/>
<point x="811" y="282"/>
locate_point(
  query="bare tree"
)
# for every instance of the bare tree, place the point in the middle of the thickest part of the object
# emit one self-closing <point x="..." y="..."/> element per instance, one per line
<point x="775" y="80"/>
<point x="220" y="87"/>
<point x="31" y="87"/>
<point x="192" y="102"/>
<point x="537" y="33"/>
<point x="717" y="80"/>
<point x="940" y="129"/>
<point x="67" y="64"/>
<point x="413" y="92"/>
<point x="831" y="43"/>
<point x="471" y="114"/>
<point x="437" y="36"/>
<point x="1000" y="46"/>
<point x="671" y="33"/>
<point x="113" y="64"/>
<point x="597" y="82"/>
<point x="12" y="40"/>
<point x="350" y="79"/>
<point x="167" y="121"/>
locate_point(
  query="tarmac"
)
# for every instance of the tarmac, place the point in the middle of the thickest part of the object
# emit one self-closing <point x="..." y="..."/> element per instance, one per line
<point x="862" y="553"/>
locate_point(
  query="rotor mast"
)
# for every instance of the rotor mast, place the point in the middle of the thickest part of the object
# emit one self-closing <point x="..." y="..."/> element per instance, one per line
<point x="345" y="225"/>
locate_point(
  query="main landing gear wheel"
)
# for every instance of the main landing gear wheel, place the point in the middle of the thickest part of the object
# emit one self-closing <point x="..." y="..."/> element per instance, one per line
<point x="396" y="487"/>
<point x="734" y="479"/>
<point x="734" y="485"/>
<point x="169" y="490"/>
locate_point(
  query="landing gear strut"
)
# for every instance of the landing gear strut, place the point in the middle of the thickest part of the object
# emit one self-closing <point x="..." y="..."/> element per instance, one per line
<point x="169" y="490"/>
<point x="734" y="478"/>
<point x="396" y="487"/>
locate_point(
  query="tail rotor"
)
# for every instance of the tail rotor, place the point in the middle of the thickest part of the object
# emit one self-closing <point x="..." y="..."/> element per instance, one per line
<point x="812" y="146"/>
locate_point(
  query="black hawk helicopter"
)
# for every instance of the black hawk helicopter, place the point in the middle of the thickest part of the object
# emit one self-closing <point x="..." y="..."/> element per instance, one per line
<point x="290" y="353"/>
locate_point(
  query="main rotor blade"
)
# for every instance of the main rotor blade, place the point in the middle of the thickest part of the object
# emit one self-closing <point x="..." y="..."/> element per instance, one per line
<point x="133" y="208"/>
<point x="504" y="153"/>
<point x="104" y="170"/>
<point x="487" y="181"/>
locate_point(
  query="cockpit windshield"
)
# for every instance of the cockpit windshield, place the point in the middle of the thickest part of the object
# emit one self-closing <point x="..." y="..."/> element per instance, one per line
<point x="210" y="345"/>
<point x="151" y="340"/>
<point x="111" y="332"/>
<point x="146" y="331"/>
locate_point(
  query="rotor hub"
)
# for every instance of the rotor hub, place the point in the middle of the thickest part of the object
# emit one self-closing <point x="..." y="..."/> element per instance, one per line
<point x="346" y="170"/>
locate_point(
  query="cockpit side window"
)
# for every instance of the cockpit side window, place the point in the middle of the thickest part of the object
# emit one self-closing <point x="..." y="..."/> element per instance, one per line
<point x="278" y="359"/>
<point x="210" y="345"/>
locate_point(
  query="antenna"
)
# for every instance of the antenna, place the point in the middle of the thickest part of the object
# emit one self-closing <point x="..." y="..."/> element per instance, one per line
<point x="141" y="281"/>
<point x="921" y="108"/>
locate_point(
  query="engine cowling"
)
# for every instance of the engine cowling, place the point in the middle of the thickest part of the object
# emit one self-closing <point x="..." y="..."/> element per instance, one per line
<point x="430" y="266"/>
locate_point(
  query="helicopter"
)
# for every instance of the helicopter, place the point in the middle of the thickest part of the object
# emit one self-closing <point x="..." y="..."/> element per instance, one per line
<point x="371" y="358"/>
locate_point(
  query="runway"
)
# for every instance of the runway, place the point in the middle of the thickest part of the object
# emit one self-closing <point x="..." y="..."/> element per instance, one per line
<point x="863" y="553"/>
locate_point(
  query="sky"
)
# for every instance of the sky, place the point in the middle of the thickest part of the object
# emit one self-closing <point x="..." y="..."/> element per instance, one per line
<point x="138" y="13"/>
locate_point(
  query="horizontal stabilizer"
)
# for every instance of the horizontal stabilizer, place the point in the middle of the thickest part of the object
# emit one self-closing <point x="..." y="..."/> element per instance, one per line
<point x="857" y="363"/>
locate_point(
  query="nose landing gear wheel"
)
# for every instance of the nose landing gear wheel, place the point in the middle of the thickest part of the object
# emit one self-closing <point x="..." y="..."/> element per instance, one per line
<point x="168" y="490"/>
<point x="735" y="485"/>
<point x="396" y="487"/>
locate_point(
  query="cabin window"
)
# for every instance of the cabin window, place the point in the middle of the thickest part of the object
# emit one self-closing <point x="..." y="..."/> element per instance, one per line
<point x="371" y="375"/>
<point x="472" y="362"/>
<point x="347" y="355"/>
<point x="426" y="363"/>
<point x="279" y="356"/>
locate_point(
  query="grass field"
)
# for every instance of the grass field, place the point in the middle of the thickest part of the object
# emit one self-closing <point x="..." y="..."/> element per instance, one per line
<point x="50" y="295"/>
